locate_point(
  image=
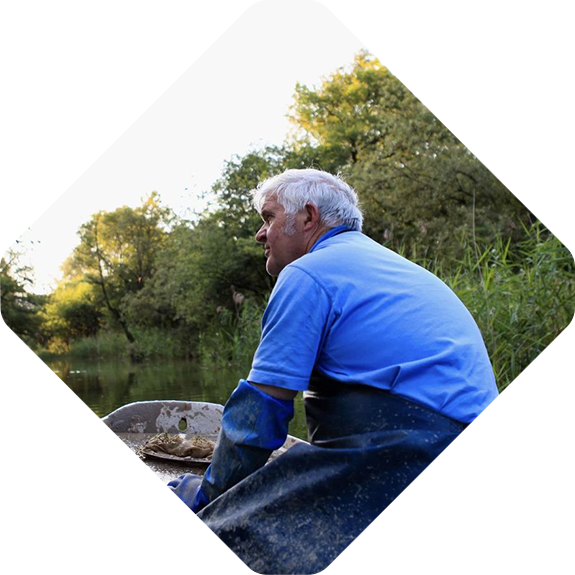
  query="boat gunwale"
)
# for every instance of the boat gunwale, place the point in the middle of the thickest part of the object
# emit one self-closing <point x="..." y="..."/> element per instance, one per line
<point x="166" y="416"/>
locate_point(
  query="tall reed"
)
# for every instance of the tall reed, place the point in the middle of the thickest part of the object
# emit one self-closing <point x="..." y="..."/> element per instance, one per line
<point x="233" y="338"/>
<point x="521" y="297"/>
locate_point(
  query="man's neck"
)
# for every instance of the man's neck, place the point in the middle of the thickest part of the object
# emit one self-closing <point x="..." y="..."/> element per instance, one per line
<point x="316" y="235"/>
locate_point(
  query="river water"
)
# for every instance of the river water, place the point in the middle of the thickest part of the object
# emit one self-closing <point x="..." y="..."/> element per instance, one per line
<point x="105" y="385"/>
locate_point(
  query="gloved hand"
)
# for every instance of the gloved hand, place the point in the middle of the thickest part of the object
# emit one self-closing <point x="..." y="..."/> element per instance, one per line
<point x="253" y="425"/>
<point x="186" y="487"/>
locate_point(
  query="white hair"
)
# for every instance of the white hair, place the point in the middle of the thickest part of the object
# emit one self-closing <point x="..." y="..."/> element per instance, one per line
<point x="336" y="201"/>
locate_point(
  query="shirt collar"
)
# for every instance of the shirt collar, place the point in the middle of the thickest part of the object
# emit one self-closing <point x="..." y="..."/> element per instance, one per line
<point x="329" y="234"/>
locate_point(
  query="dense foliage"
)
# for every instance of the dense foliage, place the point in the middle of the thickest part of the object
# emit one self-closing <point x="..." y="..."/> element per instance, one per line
<point x="144" y="283"/>
<point x="20" y="309"/>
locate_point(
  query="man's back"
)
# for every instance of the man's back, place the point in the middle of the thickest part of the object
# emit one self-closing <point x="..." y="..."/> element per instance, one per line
<point x="356" y="312"/>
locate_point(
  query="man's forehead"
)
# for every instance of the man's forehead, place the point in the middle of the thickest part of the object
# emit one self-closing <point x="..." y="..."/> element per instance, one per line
<point x="271" y="204"/>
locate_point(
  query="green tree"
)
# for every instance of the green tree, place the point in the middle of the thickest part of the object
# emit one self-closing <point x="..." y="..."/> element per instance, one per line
<point x="118" y="251"/>
<point x="211" y="264"/>
<point x="20" y="309"/>
<point x="416" y="182"/>
<point x="197" y="274"/>
<point x="73" y="311"/>
<point x="349" y="113"/>
<point x="239" y="177"/>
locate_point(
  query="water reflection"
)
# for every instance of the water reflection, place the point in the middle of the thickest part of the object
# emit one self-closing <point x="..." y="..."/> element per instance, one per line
<point x="105" y="385"/>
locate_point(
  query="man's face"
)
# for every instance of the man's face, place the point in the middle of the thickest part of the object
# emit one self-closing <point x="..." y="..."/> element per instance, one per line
<point x="281" y="249"/>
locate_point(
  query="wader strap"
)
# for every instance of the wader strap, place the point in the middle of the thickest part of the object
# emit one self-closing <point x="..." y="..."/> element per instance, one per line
<point x="335" y="410"/>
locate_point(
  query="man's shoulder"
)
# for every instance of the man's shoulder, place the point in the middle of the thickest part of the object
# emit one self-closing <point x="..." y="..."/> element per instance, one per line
<point x="339" y="261"/>
<point x="346" y="250"/>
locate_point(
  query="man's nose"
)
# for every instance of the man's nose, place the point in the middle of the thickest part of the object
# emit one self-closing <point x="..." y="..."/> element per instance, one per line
<point x="261" y="234"/>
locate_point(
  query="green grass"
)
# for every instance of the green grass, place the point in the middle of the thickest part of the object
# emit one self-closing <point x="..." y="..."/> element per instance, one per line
<point x="150" y="343"/>
<point x="233" y="339"/>
<point x="521" y="301"/>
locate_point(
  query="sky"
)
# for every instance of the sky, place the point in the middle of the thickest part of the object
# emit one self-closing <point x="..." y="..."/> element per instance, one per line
<point x="233" y="99"/>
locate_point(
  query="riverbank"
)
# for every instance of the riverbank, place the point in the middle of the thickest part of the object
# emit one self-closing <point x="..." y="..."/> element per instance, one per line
<point x="229" y="342"/>
<point x="521" y="301"/>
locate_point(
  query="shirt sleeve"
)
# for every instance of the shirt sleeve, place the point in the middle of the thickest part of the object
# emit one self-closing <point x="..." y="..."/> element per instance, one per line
<point x="294" y="327"/>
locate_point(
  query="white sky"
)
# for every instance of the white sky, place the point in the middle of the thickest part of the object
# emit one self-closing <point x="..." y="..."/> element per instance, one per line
<point x="235" y="97"/>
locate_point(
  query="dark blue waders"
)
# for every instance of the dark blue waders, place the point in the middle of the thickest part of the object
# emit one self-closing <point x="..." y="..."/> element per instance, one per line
<point x="299" y="512"/>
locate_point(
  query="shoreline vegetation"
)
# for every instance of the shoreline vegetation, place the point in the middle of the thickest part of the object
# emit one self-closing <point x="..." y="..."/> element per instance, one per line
<point x="144" y="284"/>
<point x="520" y="308"/>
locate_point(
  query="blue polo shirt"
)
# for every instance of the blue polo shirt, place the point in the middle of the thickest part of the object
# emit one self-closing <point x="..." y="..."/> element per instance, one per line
<point x="359" y="313"/>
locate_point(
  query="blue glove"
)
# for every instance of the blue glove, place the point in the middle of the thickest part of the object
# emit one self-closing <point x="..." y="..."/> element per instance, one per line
<point x="253" y="425"/>
<point x="186" y="487"/>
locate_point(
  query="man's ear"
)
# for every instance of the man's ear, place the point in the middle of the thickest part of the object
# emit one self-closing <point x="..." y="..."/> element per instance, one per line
<point x="311" y="216"/>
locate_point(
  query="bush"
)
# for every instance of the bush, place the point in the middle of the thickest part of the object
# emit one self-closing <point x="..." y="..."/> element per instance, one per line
<point x="521" y="301"/>
<point x="105" y="344"/>
<point x="233" y="340"/>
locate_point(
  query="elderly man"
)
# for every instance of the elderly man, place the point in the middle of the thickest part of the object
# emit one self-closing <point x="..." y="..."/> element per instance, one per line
<point x="392" y="366"/>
